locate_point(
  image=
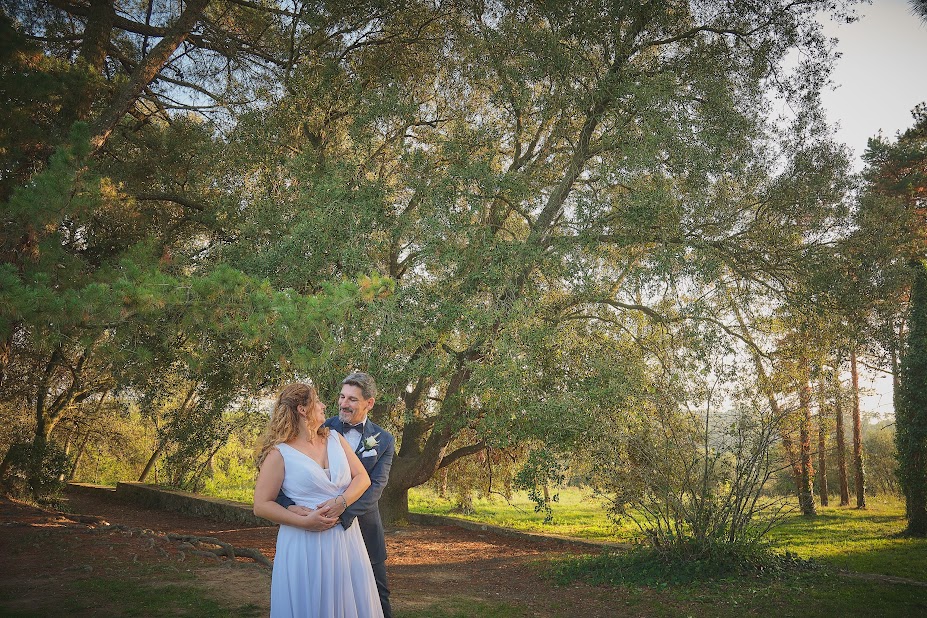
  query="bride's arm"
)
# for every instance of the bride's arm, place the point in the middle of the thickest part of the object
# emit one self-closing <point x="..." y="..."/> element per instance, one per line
<point x="360" y="481"/>
<point x="269" y="481"/>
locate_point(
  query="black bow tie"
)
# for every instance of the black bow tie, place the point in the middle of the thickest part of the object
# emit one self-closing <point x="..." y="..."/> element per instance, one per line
<point x="359" y="427"/>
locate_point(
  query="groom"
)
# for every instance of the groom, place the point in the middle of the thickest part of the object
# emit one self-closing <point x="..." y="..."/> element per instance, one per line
<point x="375" y="447"/>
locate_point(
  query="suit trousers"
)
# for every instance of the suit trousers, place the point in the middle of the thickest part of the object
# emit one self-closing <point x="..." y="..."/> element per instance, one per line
<point x="379" y="575"/>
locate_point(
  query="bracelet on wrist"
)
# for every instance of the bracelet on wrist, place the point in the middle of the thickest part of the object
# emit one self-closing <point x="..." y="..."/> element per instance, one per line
<point x="344" y="501"/>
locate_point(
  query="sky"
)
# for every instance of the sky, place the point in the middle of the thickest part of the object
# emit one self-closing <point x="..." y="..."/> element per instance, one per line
<point x="879" y="78"/>
<point x="881" y="75"/>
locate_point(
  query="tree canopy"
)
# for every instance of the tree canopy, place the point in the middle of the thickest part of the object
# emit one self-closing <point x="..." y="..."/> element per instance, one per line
<point x="518" y="215"/>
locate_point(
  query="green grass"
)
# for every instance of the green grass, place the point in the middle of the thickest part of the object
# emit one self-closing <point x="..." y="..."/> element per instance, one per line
<point x="238" y="494"/>
<point x="807" y="595"/>
<point x="576" y="513"/>
<point x="865" y="541"/>
<point x="140" y="598"/>
<point x="465" y="608"/>
<point x="147" y="591"/>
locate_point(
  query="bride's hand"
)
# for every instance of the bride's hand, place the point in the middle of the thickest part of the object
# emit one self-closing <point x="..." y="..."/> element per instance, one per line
<point x="333" y="507"/>
<point x="317" y="521"/>
<point x="299" y="510"/>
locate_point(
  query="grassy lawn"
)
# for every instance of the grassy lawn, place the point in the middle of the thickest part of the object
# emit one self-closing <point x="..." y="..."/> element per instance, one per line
<point x="576" y="513"/>
<point x="806" y="596"/>
<point x="134" y="597"/>
<point x="865" y="541"/>
<point x="140" y="590"/>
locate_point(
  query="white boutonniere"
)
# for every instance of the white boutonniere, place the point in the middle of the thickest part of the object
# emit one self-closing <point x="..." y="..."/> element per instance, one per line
<point x="370" y="443"/>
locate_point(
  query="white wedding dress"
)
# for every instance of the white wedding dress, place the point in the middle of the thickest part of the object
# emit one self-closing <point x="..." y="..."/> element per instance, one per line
<point x="320" y="574"/>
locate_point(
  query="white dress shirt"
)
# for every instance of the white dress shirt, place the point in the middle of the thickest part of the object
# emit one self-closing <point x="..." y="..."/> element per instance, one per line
<point x="353" y="436"/>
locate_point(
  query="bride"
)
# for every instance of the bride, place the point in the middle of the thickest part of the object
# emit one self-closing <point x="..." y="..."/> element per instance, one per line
<point x="320" y="569"/>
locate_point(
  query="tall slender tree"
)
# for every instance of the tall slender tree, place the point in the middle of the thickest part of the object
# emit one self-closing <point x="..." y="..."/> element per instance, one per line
<point x="858" y="467"/>
<point x="893" y="200"/>
<point x="840" y="436"/>
<point x="911" y="412"/>
<point x="823" y="424"/>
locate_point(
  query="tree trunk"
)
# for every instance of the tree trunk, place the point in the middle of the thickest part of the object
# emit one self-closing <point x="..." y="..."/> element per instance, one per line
<point x="857" y="436"/>
<point x="841" y="442"/>
<point x="778" y="414"/>
<point x="442" y="491"/>
<point x="77" y="456"/>
<point x="8" y="461"/>
<point x="806" y="489"/>
<point x="152" y="460"/>
<point x="67" y="450"/>
<point x="822" y="445"/>
<point x="193" y="484"/>
<point x="394" y="504"/>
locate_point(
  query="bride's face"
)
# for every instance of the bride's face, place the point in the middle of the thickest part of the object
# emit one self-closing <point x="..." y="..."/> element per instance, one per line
<point x="314" y="413"/>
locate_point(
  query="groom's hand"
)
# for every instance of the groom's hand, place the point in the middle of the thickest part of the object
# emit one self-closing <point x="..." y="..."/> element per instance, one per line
<point x="299" y="510"/>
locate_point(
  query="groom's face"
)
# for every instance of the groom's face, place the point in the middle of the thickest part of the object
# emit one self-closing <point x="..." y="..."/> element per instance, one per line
<point x="352" y="407"/>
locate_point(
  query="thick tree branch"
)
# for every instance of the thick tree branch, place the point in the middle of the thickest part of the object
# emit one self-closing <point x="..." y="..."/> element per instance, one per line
<point x="462" y="452"/>
<point x="146" y="72"/>
<point x="171" y="197"/>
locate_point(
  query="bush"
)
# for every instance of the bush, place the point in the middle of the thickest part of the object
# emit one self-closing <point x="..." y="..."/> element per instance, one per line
<point x="35" y="471"/>
<point x="678" y="564"/>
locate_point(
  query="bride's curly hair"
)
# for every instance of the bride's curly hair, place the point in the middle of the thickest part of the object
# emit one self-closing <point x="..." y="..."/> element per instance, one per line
<point x="285" y="420"/>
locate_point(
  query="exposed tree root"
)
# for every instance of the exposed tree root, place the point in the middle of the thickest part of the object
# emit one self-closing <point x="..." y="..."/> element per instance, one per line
<point x="220" y="548"/>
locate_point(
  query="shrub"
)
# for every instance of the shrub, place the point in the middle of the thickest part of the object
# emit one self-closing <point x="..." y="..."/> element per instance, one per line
<point x="678" y="564"/>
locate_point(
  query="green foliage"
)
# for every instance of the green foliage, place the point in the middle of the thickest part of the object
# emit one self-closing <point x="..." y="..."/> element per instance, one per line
<point x="541" y="470"/>
<point x="896" y="177"/>
<point x="688" y="469"/>
<point x="681" y="564"/>
<point x="489" y="472"/>
<point x="535" y="203"/>
<point x="519" y="191"/>
<point x="911" y="409"/>
<point x="232" y="472"/>
<point x="881" y="458"/>
<point x="36" y="471"/>
<point x="109" y="282"/>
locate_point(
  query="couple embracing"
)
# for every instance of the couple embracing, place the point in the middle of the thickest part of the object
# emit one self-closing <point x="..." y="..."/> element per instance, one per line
<point x="321" y="480"/>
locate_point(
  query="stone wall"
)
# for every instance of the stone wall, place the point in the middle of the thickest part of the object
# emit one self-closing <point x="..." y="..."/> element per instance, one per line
<point x="154" y="497"/>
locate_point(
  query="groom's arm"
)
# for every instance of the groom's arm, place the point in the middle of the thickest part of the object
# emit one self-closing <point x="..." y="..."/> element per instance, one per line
<point x="379" y="475"/>
<point x="284" y="500"/>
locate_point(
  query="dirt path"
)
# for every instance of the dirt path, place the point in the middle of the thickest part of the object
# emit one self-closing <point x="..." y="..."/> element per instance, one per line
<point x="426" y="564"/>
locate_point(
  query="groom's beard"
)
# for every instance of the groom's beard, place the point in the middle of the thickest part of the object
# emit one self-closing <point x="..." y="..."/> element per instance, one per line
<point x="347" y="415"/>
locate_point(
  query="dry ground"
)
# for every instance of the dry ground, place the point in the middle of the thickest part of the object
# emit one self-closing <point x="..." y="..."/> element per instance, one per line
<point x="43" y="551"/>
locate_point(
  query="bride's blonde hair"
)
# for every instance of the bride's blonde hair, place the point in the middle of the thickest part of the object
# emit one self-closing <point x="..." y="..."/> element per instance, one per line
<point x="285" y="420"/>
